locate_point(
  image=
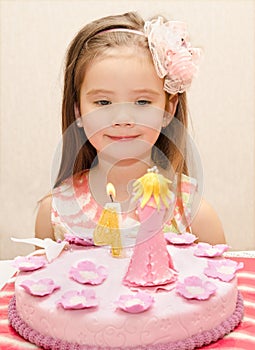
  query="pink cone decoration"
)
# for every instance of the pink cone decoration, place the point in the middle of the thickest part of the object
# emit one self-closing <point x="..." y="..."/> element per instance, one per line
<point x="151" y="264"/>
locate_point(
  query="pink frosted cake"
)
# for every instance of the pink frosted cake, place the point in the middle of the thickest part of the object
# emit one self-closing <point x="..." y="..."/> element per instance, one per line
<point x="165" y="293"/>
<point x="163" y="319"/>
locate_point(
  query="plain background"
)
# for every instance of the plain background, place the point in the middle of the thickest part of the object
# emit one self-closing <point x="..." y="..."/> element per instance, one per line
<point x="34" y="38"/>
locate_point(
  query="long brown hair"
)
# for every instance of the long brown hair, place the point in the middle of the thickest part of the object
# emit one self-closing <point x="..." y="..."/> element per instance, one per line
<point x="78" y="154"/>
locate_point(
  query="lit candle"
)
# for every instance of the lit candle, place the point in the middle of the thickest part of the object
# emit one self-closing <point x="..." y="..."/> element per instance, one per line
<point x="110" y="190"/>
<point x="107" y="231"/>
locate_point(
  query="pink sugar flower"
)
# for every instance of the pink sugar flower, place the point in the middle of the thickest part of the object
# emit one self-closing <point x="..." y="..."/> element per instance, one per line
<point x="86" y="272"/>
<point x="222" y="269"/>
<point x="29" y="263"/>
<point x="180" y="238"/>
<point x="207" y="250"/>
<point x="195" y="288"/>
<point x="70" y="238"/>
<point x="40" y="288"/>
<point x="135" y="303"/>
<point x="78" y="300"/>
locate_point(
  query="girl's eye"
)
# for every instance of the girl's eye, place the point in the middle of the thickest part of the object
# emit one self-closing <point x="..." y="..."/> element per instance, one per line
<point x="143" y="102"/>
<point x="102" y="102"/>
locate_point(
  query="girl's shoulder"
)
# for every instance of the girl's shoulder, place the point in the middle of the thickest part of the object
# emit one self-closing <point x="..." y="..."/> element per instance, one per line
<point x="43" y="227"/>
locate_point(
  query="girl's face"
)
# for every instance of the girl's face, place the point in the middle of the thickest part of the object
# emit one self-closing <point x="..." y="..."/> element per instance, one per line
<point x="122" y="104"/>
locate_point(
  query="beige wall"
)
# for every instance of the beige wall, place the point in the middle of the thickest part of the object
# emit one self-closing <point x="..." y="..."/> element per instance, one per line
<point x="34" y="38"/>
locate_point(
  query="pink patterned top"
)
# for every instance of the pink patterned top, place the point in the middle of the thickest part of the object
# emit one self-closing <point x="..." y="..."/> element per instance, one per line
<point x="75" y="211"/>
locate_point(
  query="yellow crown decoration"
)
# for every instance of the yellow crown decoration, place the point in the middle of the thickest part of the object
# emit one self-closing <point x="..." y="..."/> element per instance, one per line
<point x="153" y="185"/>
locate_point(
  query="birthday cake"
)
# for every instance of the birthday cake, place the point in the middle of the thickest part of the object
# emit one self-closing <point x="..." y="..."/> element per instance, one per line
<point x="164" y="293"/>
<point x="111" y="316"/>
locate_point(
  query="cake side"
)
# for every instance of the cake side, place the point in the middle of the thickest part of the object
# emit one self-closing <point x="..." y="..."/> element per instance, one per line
<point x="171" y="318"/>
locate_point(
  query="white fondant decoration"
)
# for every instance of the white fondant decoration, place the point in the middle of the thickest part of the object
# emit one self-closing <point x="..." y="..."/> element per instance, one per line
<point x="52" y="249"/>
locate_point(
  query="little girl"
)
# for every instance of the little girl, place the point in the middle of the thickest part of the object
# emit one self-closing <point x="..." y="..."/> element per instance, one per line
<point x="124" y="110"/>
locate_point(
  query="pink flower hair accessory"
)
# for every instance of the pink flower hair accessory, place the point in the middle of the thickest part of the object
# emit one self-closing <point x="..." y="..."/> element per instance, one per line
<point x="173" y="56"/>
<point x="224" y="270"/>
<point x="39" y="288"/>
<point x="86" y="272"/>
<point x="208" y="250"/>
<point x="135" y="303"/>
<point x="75" y="300"/>
<point x="194" y="287"/>
<point x="29" y="263"/>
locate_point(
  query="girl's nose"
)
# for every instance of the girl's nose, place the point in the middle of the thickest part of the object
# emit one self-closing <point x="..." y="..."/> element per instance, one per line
<point x="123" y="116"/>
<point x="123" y="123"/>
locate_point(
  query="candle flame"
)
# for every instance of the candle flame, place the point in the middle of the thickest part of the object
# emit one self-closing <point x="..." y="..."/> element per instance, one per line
<point x="110" y="189"/>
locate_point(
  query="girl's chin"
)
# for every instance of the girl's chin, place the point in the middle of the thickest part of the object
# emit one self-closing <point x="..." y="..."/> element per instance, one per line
<point x="123" y="160"/>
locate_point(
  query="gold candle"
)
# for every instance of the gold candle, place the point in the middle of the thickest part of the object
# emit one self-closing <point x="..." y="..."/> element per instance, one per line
<point x="107" y="231"/>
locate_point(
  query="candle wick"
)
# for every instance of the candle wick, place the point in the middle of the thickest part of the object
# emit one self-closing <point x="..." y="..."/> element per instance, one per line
<point x="111" y="197"/>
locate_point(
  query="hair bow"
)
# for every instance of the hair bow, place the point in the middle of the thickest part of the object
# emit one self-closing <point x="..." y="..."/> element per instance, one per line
<point x="173" y="56"/>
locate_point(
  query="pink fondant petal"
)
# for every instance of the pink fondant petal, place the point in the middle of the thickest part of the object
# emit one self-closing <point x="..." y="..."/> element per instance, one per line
<point x="29" y="263"/>
<point x="194" y="287"/>
<point x="207" y="250"/>
<point x="86" y="272"/>
<point x="135" y="303"/>
<point x="177" y="238"/>
<point x="41" y="287"/>
<point x="224" y="270"/>
<point x="78" y="300"/>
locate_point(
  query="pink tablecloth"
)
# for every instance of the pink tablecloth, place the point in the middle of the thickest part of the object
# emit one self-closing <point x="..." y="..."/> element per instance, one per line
<point x="243" y="338"/>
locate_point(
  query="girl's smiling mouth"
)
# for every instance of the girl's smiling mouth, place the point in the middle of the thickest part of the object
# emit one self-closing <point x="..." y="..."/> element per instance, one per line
<point x="123" y="137"/>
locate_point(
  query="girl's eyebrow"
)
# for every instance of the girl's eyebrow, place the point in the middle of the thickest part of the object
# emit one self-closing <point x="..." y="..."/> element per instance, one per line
<point x="140" y="91"/>
<point x="99" y="91"/>
<point x="147" y="91"/>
